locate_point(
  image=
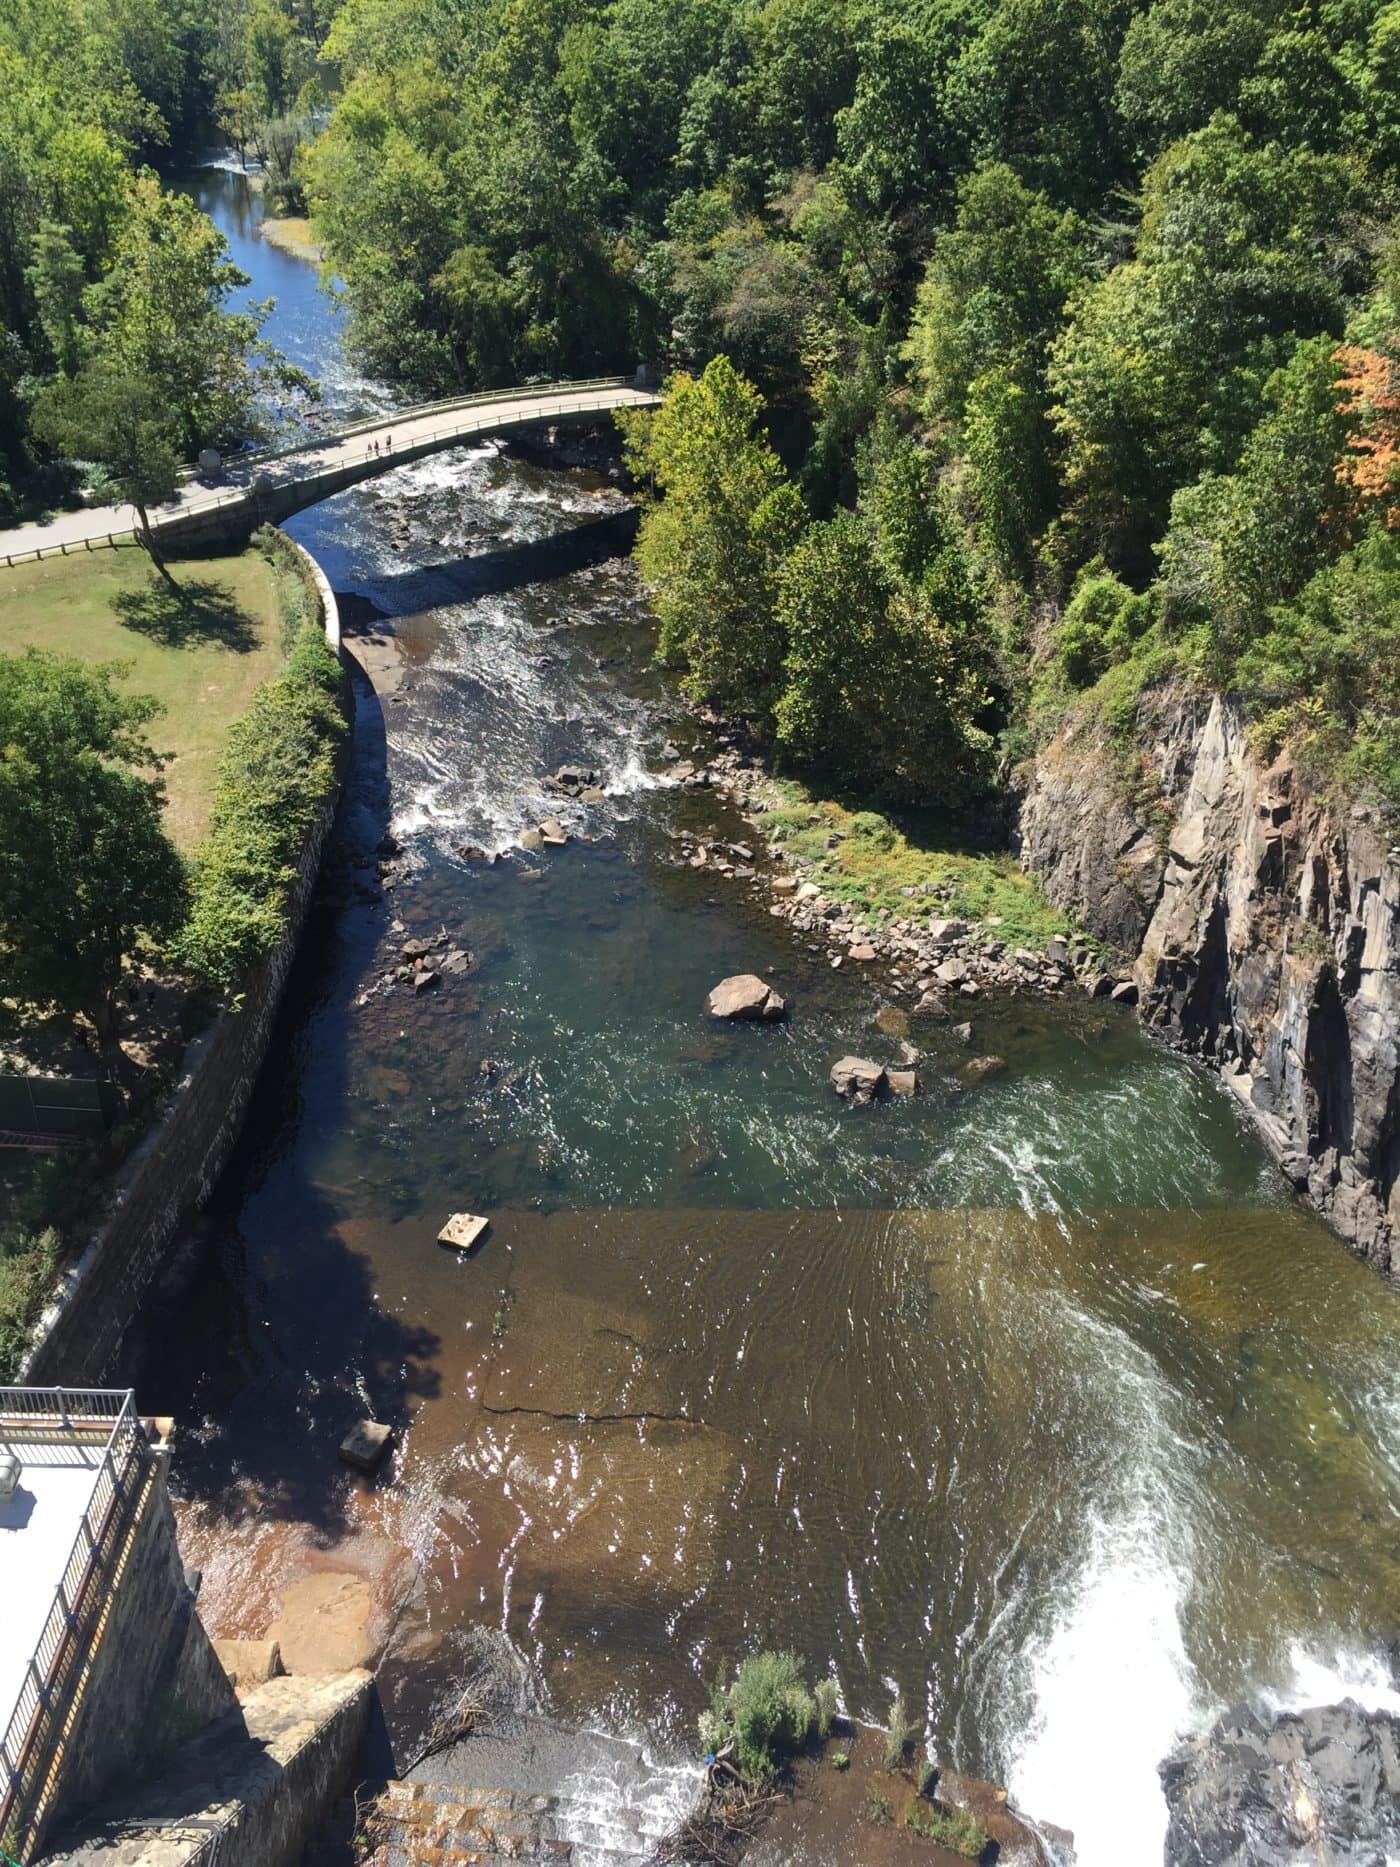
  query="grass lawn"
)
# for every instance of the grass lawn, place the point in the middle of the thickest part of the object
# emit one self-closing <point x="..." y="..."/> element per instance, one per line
<point x="200" y="654"/>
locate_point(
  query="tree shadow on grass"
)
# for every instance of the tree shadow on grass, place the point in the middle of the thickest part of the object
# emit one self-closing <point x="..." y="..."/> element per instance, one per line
<point x="187" y="614"/>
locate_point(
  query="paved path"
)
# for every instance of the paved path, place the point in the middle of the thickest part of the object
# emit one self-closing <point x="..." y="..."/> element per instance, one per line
<point x="275" y="486"/>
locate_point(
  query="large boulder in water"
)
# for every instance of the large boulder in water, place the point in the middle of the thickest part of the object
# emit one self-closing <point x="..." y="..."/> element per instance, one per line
<point x="858" y="1078"/>
<point x="1321" y="1785"/>
<point x="746" y="996"/>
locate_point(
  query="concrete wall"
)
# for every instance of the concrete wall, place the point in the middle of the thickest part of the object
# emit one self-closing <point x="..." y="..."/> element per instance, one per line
<point x="149" y="1678"/>
<point x="176" y="1167"/>
<point x="251" y="1791"/>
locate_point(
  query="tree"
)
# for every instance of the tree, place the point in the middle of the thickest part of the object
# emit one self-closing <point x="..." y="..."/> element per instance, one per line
<point x="86" y="868"/>
<point x="885" y="672"/>
<point x="711" y="550"/>
<point x="119" y="421"/>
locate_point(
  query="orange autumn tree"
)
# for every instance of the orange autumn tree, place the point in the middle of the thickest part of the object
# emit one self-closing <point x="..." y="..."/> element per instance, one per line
<point x="1370" y="386"/>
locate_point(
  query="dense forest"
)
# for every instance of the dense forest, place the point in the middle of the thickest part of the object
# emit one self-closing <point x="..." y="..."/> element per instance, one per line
<point x="1024" y="352"/>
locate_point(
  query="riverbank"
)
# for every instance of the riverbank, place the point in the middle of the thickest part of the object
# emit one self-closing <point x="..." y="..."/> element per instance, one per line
<point x="178" y="1128"/>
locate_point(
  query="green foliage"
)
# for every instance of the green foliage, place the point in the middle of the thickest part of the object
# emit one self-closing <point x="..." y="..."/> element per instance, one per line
<point x="825" y="1696"/>
<point x="28" y="1266"/>
<point x="766" y="1710"/>
<point x="1100" y="625"/>
<point x="899" y="1733"/>
<point x="712" y="549"/>
<point x="955" y="1829"/>
<point x="277" y="772"/>
<point x="1324" y="674"/>
<point x="840" y="1760"/>
<point x="877" y="1807"/>
<point x="870" y="874"/>
<point x="86" y="868"/>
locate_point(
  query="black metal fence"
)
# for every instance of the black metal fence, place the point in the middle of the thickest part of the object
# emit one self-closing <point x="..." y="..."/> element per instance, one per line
<point x="79" y="1108"/>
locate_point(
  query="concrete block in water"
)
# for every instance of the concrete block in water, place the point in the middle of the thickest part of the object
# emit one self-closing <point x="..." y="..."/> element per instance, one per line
<point x="463" y="1230"/>
<point x="365" y="1444"/>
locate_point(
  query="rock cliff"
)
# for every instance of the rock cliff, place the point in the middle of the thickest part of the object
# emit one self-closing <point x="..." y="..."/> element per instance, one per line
<point x="1264" y="921"/>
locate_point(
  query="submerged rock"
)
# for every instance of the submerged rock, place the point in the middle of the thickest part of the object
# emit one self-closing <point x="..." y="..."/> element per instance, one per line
<point x="746" y="996"/>
<point x="1320" y="1785"/>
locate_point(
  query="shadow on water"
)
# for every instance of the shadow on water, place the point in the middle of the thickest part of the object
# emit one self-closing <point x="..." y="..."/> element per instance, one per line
<point x="508" y="567"/>
<point x="265" y="1416"/>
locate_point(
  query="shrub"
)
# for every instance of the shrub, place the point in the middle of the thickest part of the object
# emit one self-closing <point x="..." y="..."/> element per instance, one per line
<point x="278" y="769"/>
<point x="953" y="1829"/>
<point x="868" y="826"/>
<point x="28" y="1263"/>
<point x="901" y="1733"/>
<point x="766" y="1711"/>
<point x="1101" y="622"/>
<point x="825" y="1697"/>
<point x="840" y="1760"/>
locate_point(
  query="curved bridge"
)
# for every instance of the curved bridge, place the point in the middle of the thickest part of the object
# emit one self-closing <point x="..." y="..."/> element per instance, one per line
<point x="266" y="488"/>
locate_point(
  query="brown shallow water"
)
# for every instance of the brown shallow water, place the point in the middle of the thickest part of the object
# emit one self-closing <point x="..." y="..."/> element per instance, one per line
<point x="1038" y="1399"/>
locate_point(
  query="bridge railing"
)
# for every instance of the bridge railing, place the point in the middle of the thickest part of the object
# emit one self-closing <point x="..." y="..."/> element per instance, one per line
<point x="64" y="1416"/>
<point x="230" y="497"/>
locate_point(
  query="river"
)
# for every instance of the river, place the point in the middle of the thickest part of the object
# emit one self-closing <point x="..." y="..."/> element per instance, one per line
<point x="1040" y="1399"/>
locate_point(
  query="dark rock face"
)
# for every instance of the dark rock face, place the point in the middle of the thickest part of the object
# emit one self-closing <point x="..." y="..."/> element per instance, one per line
<point x="1265" y="923"/>
<point x="1314" y="1786"/>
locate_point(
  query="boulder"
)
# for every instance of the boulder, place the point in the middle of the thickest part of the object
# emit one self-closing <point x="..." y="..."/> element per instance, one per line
<point x="951" y="972"/>
<point x="858" y="1078"/>
<point x="963" y="1033"/>
<point x="746" y="996"/>
<point x="893" y="1020"/>
<point x="1124" y="993"/>
<point x="863" y="951"/>
<point x="783" y="884"/>
<point x="553" y="834"/>
<point x="902" y="1082"/>
<point x="1319" y="1785"/>
<point x="932" y="1004"/>
<point x="978" y="1069"/>
<point x="945" y="933"/>
<point x="531" y="839"/>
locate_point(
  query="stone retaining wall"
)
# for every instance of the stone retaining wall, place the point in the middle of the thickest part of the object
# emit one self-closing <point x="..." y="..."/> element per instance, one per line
<point x="175" y="1169"/>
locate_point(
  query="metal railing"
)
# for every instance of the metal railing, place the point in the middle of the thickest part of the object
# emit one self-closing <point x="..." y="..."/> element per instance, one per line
<point x="414" y="411"/>
<point x="71" y="1416"/>
<point x="240" y="493"/>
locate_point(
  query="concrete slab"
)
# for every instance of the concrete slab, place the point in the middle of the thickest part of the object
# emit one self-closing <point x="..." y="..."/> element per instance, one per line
<point x="38" y="1528"/>
<point x="463" y="1230"/>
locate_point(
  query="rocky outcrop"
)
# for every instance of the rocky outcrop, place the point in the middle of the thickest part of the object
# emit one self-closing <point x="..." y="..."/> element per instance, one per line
<point x="1318" y="1785"/>
<point x="1265" y="924"/>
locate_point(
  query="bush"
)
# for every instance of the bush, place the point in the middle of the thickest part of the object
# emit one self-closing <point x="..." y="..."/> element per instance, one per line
<point x="767" y="1712"/>
<point x="1101" y="622"/>
<point x="28" y="1265"/>
<point x="901" y="1733"/>
<point x="278" y="770"/>
<point x="825" y="1697"/>
<point x="953" y="1829"/>
<point x="869" y="827"/>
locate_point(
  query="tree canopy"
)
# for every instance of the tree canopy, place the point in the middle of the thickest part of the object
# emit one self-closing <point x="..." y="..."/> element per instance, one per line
<point x="86" y="868"/>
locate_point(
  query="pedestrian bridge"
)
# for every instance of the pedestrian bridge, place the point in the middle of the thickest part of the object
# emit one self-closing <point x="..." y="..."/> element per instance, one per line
<point x="227" y="504"/>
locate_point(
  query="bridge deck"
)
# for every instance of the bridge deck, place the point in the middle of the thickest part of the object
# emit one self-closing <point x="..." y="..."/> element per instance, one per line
<point x="327" y="466"/>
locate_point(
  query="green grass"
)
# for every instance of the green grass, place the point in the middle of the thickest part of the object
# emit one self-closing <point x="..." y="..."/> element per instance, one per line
<point x="953" y="1829"/>
<point x="871" y="866"/>
<point x="201" y="655"/>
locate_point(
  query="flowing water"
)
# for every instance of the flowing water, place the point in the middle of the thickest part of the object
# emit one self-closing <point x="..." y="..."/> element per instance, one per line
<point x="1038" y="1399"/>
